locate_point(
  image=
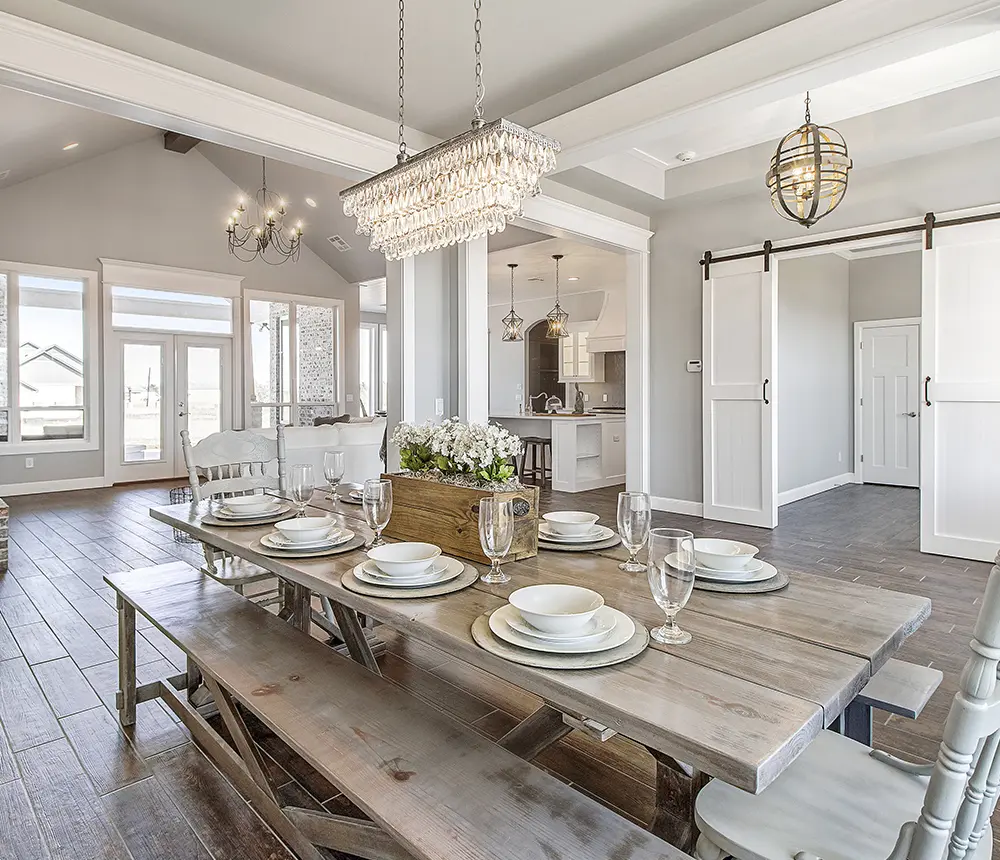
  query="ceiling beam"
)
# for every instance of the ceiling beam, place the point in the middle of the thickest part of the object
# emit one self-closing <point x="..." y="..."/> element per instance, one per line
<point x="176" y="142"/>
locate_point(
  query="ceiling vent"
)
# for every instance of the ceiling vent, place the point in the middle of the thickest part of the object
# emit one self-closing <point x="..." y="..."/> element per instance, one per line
<point x="4" y="174"/>
<point x="338" y="243"/>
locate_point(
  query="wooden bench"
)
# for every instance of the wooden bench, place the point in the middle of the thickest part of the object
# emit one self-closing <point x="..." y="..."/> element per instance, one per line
<point x="432" y="787"/>
<point x="898" y="688"/>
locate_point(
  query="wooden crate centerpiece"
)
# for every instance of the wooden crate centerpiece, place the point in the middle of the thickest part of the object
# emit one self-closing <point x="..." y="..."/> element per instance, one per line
<point x="449" y="468"/>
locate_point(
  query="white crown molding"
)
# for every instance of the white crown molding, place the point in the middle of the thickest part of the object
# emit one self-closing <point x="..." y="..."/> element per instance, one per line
<point x="544" y="213"/>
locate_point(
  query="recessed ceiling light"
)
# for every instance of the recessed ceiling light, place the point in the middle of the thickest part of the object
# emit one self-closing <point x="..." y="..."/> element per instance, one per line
<point x="686" y="155"/>
<point x="70" y="146"/>
<point x="310" y="202"/>
<point x="573" y="279"/>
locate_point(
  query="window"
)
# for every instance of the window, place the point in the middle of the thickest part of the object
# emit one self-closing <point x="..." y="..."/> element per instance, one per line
<point x="294" y="357"/>
<point x="47" y="359"/>
<point x="373" y="367"/>
<point x="163" y="310"/>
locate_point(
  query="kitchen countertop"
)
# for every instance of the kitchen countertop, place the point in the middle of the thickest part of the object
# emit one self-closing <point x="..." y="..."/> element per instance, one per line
<point x="587" y="416"/>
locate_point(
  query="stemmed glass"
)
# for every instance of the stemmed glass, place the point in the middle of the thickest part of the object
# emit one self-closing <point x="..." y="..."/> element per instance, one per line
<point x="671" y="579"/>
<point x="633" y="526"/>
<point x="301" y="486"/>
<point x="333" y="471"/>
<point x="377" y="503"/>
<point x="496" y="531"/>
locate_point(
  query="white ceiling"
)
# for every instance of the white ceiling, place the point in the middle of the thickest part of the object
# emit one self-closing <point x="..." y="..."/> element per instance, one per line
<point x="34" y="131"/>
<point x="539" y="57"/>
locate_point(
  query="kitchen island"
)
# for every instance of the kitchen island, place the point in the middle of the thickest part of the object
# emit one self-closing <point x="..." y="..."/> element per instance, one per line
<point x="588" y="451"/>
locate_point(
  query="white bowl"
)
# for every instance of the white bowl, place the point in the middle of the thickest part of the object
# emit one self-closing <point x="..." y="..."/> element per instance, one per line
<point x="306" y="529"/>
<point x="570" y="522"/>
<point x="556" y="608"/>
<point x="250" y="504"/>
<point x="721" y="554"/>
<point x="404" y="559"/>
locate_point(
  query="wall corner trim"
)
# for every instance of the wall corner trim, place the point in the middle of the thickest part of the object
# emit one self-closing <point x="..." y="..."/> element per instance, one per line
<point x="814" y="489"/>
<point x="677" y="506"/>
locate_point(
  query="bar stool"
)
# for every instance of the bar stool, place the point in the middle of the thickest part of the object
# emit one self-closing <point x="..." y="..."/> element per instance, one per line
<point x="539" y="449"/>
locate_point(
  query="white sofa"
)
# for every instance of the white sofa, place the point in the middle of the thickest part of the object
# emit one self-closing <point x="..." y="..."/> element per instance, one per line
<point x="360" y="440"/>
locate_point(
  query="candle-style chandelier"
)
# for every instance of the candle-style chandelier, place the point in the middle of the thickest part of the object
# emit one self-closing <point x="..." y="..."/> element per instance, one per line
<point x="265" y="237"/>
<point x="557" y="317"/>
<point x="808" y="175"/>
<point x="464" y="188"/>
<point x="512" y="322"/>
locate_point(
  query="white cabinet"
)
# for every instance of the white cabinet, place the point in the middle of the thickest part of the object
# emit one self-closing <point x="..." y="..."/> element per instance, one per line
<point x="576" y="362"/>
<point x="613" y="450"/>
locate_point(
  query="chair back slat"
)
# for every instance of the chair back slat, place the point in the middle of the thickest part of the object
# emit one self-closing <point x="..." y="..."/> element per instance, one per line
<point x="956" y="805"/>
<point x="234" y="461"/>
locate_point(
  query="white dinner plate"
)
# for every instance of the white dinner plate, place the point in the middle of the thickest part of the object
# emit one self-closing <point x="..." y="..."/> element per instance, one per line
<point x="223" y="513"/>
<point x="438" y="566"/>
<point x="751" y="566"/>
<point x="500" y="626"/>
<point x="762" y="574"/>
<point x="598" y="533"/>
<point x="453" y="569"/>
<point x="271" y="541"/>
<point x="354" y="497"/>
<point x="600" y="625"/>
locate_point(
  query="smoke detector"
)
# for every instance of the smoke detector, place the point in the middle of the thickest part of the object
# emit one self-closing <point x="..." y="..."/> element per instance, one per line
<point x="338" y="243"/>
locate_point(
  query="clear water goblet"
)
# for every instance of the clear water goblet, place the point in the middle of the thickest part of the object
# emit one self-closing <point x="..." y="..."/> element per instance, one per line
<point x="671" y="579"/>
<point x="333" y="471"/>
<point x="377" y="504"/>
<point x="301" y="485"/>
<point x="634" y="512"/>
<point x="496" y="532"/>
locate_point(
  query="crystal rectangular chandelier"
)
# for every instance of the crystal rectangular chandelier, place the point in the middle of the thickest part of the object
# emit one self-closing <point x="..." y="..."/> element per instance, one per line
<point x="468" y="186"/>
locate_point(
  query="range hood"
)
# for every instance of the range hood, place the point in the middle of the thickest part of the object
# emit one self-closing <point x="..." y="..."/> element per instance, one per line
<point x="609" y="333"/>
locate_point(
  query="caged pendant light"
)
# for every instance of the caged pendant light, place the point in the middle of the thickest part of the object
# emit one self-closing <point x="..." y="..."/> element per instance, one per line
<point x="464" y="188"/>
<point x="808" y="175"/>
<point x="512" y="322"/>
<point x="557" y="317"/>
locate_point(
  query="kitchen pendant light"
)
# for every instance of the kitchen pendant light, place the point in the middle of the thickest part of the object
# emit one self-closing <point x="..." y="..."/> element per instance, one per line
<point x="512" y="322"/>
<point x="557" y="317"/>
<point x="808" y="175"/>
<point x="468" y="186"/>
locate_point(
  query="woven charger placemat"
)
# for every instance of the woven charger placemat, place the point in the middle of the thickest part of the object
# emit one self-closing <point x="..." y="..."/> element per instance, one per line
<point x="354" y="543"/>
<point x="557" y="546"/>
<point x="466" y="578"/>
<point x="775" y="583"/>
<point x="485" y="639"/>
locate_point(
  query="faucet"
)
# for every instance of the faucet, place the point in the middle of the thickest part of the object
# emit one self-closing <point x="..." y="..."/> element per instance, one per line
<point x="532" y="398"/>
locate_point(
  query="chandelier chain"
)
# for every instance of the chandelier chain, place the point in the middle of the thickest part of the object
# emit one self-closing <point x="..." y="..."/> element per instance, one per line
<point x="512" y="267"/>
<point x="263" y="173"/>
<point x="402" y="68"/>
<point x="557" y="281"/>
<point x="480" y="88"/>
<point x="808" y="116"/>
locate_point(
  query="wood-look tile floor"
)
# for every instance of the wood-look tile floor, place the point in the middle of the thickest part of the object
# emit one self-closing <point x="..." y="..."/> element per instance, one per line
<point x="74" y="785"/>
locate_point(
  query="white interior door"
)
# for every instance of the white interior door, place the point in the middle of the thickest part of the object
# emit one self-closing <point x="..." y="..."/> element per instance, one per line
<point x="890" y="408"/>
<point x="960" y="353"/>
<point x="738" y="363"/>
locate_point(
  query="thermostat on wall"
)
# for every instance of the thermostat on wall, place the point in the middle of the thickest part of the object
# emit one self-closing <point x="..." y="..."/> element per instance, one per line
<point x="694" y="365"/>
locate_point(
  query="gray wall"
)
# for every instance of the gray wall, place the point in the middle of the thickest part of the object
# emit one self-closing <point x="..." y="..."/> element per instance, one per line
<point x="812" y="395"/>
<point x="436" y="323"/>
<point x="907" y="189"/>
<point x="143" y="204"/>
<point x="886" y="287"/>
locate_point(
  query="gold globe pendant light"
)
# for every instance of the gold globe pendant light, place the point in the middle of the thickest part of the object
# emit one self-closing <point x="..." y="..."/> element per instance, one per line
<point x="557" y="317"/>
<point x="512" y="322"/>
<point x="808" y="175"/>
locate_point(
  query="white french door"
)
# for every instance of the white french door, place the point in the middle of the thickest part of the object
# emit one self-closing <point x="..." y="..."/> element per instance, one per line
<point x="890" y="406"/>
<point x="960" y="384"/>
<point x="738" y="362"/>
<point x="159" y="385"/>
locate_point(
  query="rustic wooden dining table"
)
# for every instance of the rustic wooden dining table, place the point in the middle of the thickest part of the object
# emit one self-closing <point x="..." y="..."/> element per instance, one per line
<point x="761" y="677"/>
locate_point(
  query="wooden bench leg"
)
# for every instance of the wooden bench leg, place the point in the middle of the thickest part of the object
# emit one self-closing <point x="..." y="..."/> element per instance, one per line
<point x="126" y="699"/>
<point x="354" y="637"/>
<point x="535" y="732"/>
<point x="676" y="791"/>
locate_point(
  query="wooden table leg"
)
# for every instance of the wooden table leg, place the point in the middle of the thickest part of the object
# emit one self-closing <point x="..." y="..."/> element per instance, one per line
<point x="535" y="732"/>
<point x="856" y="723"/>
<point x="125" y="700"/>
<point x="354" y="637"/>
<point x="676" y="790"/>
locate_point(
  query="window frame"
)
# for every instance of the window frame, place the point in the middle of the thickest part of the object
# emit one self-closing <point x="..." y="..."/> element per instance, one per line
<point x="91" y="440"/>
<point x="293" y="300"/>
<point x="378" y="338"/>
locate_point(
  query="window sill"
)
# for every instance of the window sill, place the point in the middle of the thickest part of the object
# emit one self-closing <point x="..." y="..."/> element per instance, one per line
<point x="51" y="446"/>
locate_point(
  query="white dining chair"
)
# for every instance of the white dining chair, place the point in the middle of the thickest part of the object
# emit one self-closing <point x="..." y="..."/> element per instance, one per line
<point x="232" y="463"/>
<point x="841" y="800"/>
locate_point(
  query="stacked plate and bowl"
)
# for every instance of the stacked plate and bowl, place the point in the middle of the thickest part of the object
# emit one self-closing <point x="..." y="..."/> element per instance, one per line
<point x="560" y="619"/>
<point x="408" y="565"/>
<point x="307" y="536"/>
<point x="574" y="530"/>
<point x="720" y="560"/>
<point x="255" y="507"/>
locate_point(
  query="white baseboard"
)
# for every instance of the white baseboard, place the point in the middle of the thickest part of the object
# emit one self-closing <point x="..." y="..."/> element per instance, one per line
<point x="677" y="506"/>
<point x="53" y="486"/>
<point x="815" y="488"/>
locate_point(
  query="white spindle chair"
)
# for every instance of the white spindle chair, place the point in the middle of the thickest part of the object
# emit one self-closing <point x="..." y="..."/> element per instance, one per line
<point x="230" y="463"/>
<point x="840" y="800"/>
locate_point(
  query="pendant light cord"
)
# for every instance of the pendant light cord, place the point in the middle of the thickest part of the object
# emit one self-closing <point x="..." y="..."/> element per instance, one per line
<point x="401" y="157"/>
<point x="477" y="119"/>
<point x="512" y="267"/>
<point x="557" y="258"/>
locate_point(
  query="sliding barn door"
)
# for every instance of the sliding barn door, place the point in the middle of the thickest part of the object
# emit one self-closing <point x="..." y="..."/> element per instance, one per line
<point x="739" y="423"/>
<point x="960" y="384"/>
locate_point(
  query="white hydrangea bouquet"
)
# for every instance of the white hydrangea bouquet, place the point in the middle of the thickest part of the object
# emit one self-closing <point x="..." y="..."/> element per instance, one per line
<point x="480" y="452"/>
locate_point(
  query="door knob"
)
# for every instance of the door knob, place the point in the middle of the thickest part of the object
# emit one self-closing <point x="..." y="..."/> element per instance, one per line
<point x="909" y="414"/>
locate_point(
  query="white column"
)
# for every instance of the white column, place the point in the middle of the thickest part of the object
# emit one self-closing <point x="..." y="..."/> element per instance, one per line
<point x="637" y="387"/>
<point x="400" y="296"/>
<point x="473" y="332"/>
